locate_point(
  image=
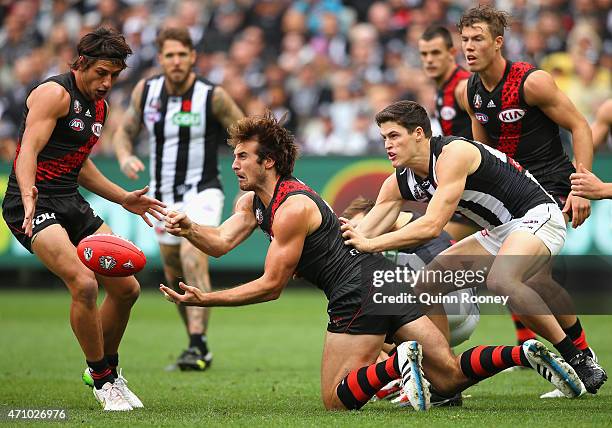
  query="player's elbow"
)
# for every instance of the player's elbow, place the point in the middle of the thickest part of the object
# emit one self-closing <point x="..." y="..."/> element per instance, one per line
<point x="431" y="230"/>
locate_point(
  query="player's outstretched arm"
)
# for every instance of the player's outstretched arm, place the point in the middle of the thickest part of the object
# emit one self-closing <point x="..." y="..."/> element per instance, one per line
<point x="292" y="223"/>
<point x="127" y="132"/>
<point x="603" y="121"/>
<point x="540" y="90"/>
<point x="216" y="241"/>
<point x="588" y="185"/>
<point x="383" y="215"/>
<point x="136" y="202"/>
<point x="46" y="104"/>
<point x="225" y="108"/>
<point x="457" y="161"/>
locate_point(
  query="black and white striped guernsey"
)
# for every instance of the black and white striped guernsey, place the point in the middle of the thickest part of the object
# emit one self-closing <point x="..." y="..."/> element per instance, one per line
<point x="183" y="139"/>
<point x="498" y="191"/>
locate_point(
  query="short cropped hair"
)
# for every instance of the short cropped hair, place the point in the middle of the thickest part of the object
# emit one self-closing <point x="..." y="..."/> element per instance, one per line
<point x="438" y="31"/>
<point x="496" y="20"/>
<point x="275" y="142"/>
<point x="409" y="114"/>
<point x="180" y="34"/>
<point x="102" y="44"/>
<point x="358" y="205"/>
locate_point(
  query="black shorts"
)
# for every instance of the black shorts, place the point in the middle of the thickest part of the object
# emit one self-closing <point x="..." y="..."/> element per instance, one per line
<point x="558" y="185"/>
<point x="72" y="212"/>
<point x="352" y="308"/>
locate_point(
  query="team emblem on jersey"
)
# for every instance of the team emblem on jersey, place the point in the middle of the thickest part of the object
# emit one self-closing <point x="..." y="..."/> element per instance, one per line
<point x="477" y="101"/>
<point x="77" y="107"/>
<point x="482" y="118"/>
<point x="107" y="262"/>
<point x="88" y="253"/>
<point x="96" y="128"/>
<point x="418" y="193"/>
<point x="511" y="115"/>
<point x="259" y="216"/>
<point x="77" y="125"/>
<point x="447" y="113"/>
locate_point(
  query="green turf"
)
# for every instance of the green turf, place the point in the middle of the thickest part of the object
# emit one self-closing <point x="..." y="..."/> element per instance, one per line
<point x="265" y="371"/>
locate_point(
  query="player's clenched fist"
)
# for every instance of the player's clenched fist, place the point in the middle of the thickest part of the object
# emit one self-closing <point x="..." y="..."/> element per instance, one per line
<point x="177" y="223"/>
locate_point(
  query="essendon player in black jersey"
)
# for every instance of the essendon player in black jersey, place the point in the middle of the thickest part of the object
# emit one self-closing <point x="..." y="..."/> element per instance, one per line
<point x="306" y="240"/>
<point x="63" y="119"/>
<point x="518" y="110"/>
<point x="454" y="174"/>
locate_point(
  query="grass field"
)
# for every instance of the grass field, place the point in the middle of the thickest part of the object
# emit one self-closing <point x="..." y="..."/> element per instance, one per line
<point x="265" y="372"/>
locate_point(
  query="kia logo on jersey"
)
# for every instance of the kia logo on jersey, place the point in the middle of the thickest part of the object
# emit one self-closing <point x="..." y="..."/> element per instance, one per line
<point x="96" y="128"/>
<point x="482" y="118"/>
<point x="77" y="125"/>
<point x="447" y="113"/>
<point x="511" y="115"/>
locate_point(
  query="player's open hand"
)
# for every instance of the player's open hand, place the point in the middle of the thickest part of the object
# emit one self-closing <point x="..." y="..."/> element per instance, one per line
<point x="131" y="166"/>
<point x="586" y="184"/>
<point x="192" y="295"/>
<point x="354" y="238"/>
<point x="29" y="207"/>
<point x="138" y="202"/>
<point x="177" y="223"/>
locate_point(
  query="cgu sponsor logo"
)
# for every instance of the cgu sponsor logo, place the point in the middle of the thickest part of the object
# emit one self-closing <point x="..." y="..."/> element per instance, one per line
<point x="482" y="118"/>
<point x="96" y="128"/>
<point x="77" y="125"/>
<point x="186" y="119"/>
<point x="511" y="115"/>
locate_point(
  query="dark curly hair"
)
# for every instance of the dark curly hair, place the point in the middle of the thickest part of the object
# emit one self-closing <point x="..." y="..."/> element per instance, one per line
<point x="104" y="43"/>
<point x="275" y="142"/>
<point x="496" y="20"/>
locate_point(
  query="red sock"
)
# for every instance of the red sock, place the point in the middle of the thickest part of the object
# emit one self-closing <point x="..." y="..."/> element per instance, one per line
<point x="360" y="385"/>
<point x="523" y="333"/>
<point x="482" y="362"/>
<point x="578" y="336"/>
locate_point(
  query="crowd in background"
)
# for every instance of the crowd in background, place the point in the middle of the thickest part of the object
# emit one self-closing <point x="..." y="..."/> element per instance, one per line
<point x="329" y="65"/>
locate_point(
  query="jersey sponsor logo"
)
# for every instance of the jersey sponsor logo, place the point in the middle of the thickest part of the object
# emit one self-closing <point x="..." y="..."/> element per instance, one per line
<point x="77" y="125"/>
<point x="447" y="113"/>
<point x="491" y="104"/>
<point x="482" y="118"/>
<point x="184" y="118"/>
<point x="477" y="101"/>
<point x="42" y="218"/>
<point x="88" y="253"/>
<point x="96" y="128"/>
<point x="511" y="115"/>
<point x="77" y="107"/>
<point x="107" y="262"/>
<point x="87" y="113"/>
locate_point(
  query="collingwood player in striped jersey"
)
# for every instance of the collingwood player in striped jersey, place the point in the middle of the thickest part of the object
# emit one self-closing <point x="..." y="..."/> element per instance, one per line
<point x="186" y="117"/>
<point x="454" y="174"/>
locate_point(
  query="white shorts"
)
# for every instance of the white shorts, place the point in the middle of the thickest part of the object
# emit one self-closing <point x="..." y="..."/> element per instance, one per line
<point x="204" y="208"/>
<point x="544" y="221"/>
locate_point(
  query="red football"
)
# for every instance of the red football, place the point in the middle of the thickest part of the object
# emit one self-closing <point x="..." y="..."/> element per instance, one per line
<point x="111" y="255"/>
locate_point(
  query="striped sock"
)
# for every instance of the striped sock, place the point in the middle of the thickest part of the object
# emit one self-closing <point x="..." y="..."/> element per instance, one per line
<point x="113" y="362"/>
<point x="481" y="362"/>
<point x="360" y="385"/>
<point x="578" y="336"/>
<point x="523" y="333"/>
<point x="100" y="372"/>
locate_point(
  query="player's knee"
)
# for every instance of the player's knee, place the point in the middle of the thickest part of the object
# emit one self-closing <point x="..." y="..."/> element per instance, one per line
<point x="84" y="289"/>
<point x="497" y="283"/>
<point x="128" y="292"/>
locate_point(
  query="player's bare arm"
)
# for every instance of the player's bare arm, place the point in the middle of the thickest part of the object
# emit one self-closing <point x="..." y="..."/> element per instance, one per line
<point x="384" y="214"/>
<point x="127" y="132"/>
<point x="603" y="121"/>
<point x="588" y="185"/>
<point x="136" y="202"/>
<point x="457" y="161"/>
<point x="540" y="90"/>
<point x="478" y="131"/>
<point x="216" y="241"/>
<point x="47" y="103"/>
<point x="293" y="221"/>
<point x="225" y="108"/>
<point x="460" y="91"/>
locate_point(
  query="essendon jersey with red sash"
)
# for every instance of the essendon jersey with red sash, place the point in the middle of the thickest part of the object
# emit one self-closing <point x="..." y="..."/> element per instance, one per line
<point x="325" y="260"/>
<point x="73" y="137"/>
<point x="521" y="131"/>
<point x="452" y="118"/>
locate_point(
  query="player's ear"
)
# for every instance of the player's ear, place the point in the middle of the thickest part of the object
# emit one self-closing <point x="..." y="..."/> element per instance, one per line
<point x="269" y="163"/>
<point x="499" y="41"/>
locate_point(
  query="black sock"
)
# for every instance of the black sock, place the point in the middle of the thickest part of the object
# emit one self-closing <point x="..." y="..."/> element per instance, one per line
<point x="576" y="333"/>
<point x="567" y="349"/>
<point x="198" y="341"/>
<point x="100" y="372"/>
<point x="113" y="362"/>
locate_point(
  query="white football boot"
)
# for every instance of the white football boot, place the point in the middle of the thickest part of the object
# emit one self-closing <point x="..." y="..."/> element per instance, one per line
<point x="553" y="369"/>
<point x="111" y="398"/>
<point x="414" y="384"/>
<point x="121" y="383"/>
